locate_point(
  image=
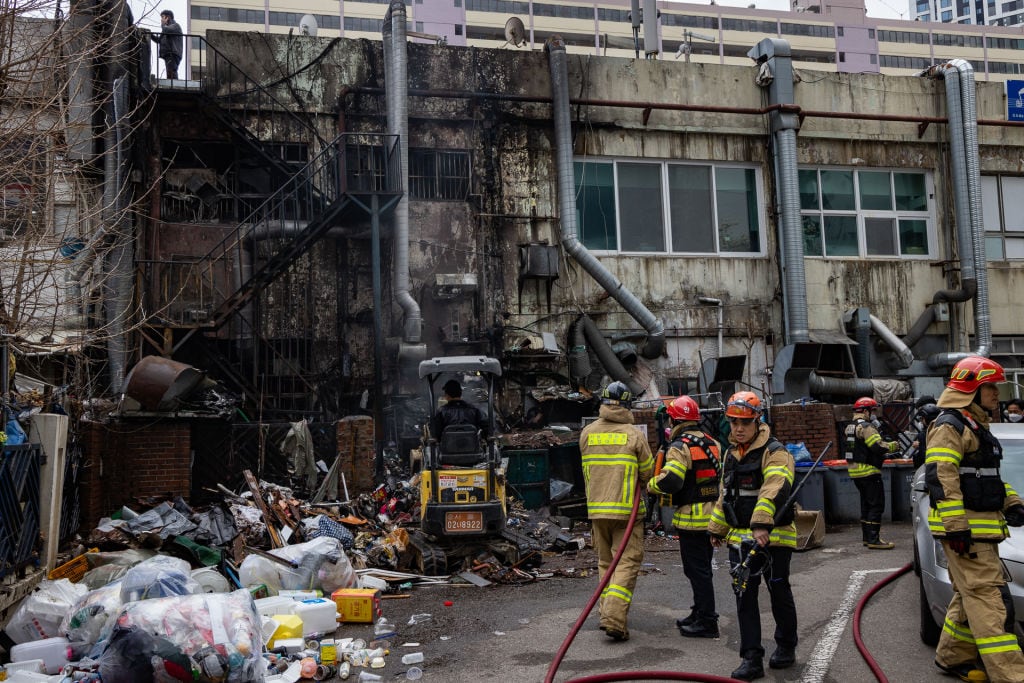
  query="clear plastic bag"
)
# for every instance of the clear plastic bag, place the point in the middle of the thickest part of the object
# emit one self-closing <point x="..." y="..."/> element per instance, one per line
<point x="40" y="614"/>
<point x="318" y="564"/>
<point x="91" y="619"/>
<point x="158" y="577"/>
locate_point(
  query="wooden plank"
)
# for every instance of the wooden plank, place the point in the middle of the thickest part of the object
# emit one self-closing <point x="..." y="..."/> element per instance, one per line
<point x="257" y="494"/>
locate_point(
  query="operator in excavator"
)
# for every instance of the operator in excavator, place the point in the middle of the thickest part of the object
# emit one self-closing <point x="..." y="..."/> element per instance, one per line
<point x="866" y="451"/>
<point x="971" y="507"/>
<point x="690" y="476"/>
<point x="456" y="411"/>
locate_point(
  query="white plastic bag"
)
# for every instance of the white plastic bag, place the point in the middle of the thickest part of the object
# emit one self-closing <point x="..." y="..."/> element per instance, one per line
<point x="319" y="564"/>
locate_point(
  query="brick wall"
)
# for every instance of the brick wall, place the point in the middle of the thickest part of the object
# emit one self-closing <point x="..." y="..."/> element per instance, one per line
<point x="357" y="454"/>
<point x="814" y="424"/>
<point x="133" y="459"/>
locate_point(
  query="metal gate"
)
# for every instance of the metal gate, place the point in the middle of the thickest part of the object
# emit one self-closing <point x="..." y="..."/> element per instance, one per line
<point x="19" y="506"/>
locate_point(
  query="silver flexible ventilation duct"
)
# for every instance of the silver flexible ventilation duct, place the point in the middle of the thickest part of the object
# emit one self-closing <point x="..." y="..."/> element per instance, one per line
<point x="655" y="343"/>
<point x="958" y="75"/>
<point x="396" y="84"/>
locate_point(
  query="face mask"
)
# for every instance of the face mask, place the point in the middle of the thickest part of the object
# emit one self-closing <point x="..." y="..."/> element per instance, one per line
<point x="1014" y="417"/>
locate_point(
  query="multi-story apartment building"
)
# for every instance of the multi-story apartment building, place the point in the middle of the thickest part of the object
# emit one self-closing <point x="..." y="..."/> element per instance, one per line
<point x="979" y="12"/>
<point x="820" y="33"/>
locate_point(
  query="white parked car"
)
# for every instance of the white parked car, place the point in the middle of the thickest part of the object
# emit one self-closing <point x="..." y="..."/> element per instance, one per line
<point x="930" y="560"/>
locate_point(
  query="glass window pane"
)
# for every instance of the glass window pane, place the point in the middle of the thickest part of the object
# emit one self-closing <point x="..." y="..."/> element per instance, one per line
<point x="641" y="214"/>
<point x="1013" y="205"/>
<point x="738" y="225"/>
<point x="913" y="237"/>
<point x="990" y="203"/>
<point x="994" y="249"/>
<point x="595" y="205"/>
<point x="837" y="190"/>
<point x="692" y="212"/>
<point x="875" y="191"/>
<point x="1014" y="248"/>
<point x="879" y="236"/>
<point x="808" y="190"/>
<point x="910" y="192"/>
<point x="812" y="235"/>
<point x="841" y="235"/>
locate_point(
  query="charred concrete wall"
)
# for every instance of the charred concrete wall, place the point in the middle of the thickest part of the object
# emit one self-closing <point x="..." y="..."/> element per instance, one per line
<point x="494" y="103"/>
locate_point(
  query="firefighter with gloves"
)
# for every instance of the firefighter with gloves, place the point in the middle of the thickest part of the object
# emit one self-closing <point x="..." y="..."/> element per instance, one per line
<point x="617" y="465"/>
<point x="971" y="507"/>
<point x="866" y="451"/>
<point x="690" y="476"/>
<point x="757" y="477"/>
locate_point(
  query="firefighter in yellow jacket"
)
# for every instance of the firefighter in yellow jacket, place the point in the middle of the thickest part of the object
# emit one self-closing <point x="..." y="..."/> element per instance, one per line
<point x="971" y="507"/>
<point x="757" y="477"/>
<point x="690" y="476"/>
<point x="616" y="460"/>
<point x="866" y="452"/>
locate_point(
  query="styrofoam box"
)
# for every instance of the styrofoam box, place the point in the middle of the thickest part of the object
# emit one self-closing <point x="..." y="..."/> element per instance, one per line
<point x="53" y="652"/>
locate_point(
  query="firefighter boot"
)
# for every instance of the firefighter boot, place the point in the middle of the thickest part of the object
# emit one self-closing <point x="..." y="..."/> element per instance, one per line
<point x="967" y="671"/>
<point x="687" y="620"/>
<point x="701" y="627"/>
<point x="872" y="539"/>
<point x="782" y="658"/>
<point x="750" y="669"/>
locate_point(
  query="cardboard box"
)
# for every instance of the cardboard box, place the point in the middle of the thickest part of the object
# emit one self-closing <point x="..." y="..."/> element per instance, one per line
<point x="810" y="529"/>
<point x="357" y="605"/>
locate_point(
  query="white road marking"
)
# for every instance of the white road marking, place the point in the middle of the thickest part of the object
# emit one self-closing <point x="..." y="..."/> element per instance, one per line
<point x="817" y="666"/>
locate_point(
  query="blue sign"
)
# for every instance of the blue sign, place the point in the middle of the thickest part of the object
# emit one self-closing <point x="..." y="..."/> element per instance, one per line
<point x="1015" y="100"/>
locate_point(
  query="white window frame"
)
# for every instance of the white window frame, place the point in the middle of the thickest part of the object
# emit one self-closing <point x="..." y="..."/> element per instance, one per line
<point x="862" y="214"/>
<point x="666" y="207"/>
<point x="996" y="216"/>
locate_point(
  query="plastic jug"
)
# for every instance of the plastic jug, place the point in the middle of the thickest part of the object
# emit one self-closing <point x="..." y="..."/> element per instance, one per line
<point x="318" y="615"/>
<point x="53" y="651"/>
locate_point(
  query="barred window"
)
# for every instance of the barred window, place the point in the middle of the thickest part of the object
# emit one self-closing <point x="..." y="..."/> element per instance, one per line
<point x="438" y="174"/>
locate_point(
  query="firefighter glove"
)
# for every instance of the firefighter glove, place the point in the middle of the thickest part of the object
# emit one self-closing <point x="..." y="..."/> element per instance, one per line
<point x="1015" y="515"/>
<point x="894" y="446"/>
<point x="959" y="541"/>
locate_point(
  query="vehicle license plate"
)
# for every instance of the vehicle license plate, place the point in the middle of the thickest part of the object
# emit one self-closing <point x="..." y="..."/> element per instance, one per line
<point x="463" y="522"/>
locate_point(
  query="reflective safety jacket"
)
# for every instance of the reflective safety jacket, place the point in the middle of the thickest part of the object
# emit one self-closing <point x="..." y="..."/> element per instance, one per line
<point x="690" y="476"/>
<point x="616" y="456"/>
<point x="865" y="448"/>
<point x="962" y="474"/>
<point x="757" y="479"/>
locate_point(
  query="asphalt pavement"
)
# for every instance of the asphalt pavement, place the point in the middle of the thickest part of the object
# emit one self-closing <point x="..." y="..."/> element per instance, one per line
<point x="512" y="632"/>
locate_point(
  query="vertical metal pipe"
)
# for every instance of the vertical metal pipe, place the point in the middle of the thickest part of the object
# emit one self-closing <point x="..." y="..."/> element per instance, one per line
<point x="378" y="333"/>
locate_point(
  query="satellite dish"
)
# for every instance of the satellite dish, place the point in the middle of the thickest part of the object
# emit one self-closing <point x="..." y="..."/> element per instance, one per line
<point x="307" y="25"/>
<point x="515" y="32"/>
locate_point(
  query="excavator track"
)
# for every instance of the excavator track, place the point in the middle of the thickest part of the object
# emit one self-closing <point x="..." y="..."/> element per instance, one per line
<point x="428" y="557"/>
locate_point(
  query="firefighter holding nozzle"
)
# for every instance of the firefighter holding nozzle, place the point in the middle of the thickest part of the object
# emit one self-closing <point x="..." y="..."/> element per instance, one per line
<point x="757" y="478"/>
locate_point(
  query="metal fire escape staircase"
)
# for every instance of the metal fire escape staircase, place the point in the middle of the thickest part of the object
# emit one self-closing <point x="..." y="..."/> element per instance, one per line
<point x="349" y="178"/>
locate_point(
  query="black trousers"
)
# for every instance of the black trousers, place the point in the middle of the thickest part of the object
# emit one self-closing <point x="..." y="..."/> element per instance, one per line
<point x="773" y="563"/>
<point x="696" y="551"/>
<point x="872" y="497"/>
<point x="172" y="62"/>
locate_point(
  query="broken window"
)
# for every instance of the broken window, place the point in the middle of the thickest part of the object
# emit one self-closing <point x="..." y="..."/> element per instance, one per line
<point x="847" y="212"/>
<point x="659" y="207"/>
<point x="438" y="174"/>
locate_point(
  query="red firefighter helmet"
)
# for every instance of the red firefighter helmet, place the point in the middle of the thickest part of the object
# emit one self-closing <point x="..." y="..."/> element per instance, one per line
<point x="683" y="408"/>
<point x="865" y="403"/>
<point x="743" y="404"/>
<point x="973" y="371"/>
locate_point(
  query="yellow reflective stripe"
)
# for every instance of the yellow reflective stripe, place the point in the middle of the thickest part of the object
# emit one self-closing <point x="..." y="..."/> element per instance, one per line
<point x="987" y="525"/>
<point x="675" y="467"/>
<point x="779" y="471"/>
<point x="719" y="517"/>
<point x="1009" y="489"/>
<point x="957" y="632"/>
<point x="873" y="439"/>
<point x="1003" y="643"/>
<point x="620" y="592"/>
<point x="933" y="455"/>
<point x="607" y="439"/>
<point x="950" y="507"/>
<point x="609" y="459"/>
<point x="765" y="505"/>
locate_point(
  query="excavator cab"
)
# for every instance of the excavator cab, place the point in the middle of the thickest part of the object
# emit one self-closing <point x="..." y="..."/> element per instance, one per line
<point x="462" y="482"/>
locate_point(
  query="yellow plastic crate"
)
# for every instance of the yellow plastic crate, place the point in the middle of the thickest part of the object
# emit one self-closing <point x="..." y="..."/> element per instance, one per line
<point x="72" y="570"/>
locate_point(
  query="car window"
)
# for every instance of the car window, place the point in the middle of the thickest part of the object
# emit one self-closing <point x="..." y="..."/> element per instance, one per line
<point x="1012" y="466"/>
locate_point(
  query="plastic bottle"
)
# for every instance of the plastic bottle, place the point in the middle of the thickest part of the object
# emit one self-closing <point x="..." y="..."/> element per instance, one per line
<point x="344" y="671"/>
<point x="412" y="658"/>
<point x="419" y="618"/>
<point x="384" y="629"/>
<point x="366" y="677"/>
